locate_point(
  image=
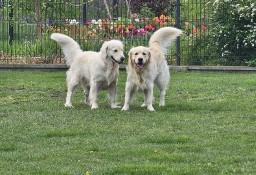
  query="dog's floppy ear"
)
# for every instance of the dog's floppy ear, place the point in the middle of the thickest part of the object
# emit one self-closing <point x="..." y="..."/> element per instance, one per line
<point x="104" y="49"/>
<point x="149" y="54"/>
<point x="130" y="56"/>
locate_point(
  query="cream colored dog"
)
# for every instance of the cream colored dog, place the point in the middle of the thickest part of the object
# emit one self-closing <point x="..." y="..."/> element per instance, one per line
<point x="147" y="65"/>
<point x="95" y="71"/>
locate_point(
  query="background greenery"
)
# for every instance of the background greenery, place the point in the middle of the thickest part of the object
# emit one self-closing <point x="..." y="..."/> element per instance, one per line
<point x="235" y="34"/>
<point x="216" y="32"/>
<point x="207" y="127"/>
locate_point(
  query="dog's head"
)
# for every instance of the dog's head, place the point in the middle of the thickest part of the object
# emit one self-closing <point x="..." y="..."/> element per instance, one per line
<point x="139" y="56"/>
<point x="113" y="50"/>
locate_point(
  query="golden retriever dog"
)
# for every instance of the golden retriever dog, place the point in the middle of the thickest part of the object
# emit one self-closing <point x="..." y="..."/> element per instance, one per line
<point x="95" y="71"/>
<point x="147" y="66"/>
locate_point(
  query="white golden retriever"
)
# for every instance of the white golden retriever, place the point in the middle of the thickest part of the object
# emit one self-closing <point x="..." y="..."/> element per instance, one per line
<point x="147" y="65"/>
<point x="95" y="71"/>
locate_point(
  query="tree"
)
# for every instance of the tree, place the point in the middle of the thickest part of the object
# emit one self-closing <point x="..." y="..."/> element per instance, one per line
<point x="107" y="8"/>
<point x="157" y="7"/>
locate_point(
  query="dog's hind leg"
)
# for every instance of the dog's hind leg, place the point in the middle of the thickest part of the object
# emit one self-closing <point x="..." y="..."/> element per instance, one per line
<point x="162" y="83"/>
<point x="162" y="87"/>
<point x="71" y="89"/>
<point x="162" y="97"/>
<point x="86" y="88"/>
<point x="86" y="95"/>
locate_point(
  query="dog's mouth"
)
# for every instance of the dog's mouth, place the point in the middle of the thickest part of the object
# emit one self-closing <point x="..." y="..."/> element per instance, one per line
<point x="114" y="60"/>
<point x="140" y="65"/>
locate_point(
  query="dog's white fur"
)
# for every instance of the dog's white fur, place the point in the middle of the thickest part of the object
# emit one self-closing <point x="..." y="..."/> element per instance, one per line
<point x="147" y="65"/>
<point x="95" y="71"/>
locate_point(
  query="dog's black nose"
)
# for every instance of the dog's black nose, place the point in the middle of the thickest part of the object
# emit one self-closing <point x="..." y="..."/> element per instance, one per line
<point x="140" y="60"/>
<point x="122" y="59"/>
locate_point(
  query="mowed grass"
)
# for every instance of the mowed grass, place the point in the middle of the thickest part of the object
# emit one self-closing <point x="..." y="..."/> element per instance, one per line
<point x="207" y="127"/>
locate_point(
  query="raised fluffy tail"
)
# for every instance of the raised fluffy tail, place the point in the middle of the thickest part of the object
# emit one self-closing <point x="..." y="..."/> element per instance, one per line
<point x="69" y="46"/>
<point x="163" y="37"/>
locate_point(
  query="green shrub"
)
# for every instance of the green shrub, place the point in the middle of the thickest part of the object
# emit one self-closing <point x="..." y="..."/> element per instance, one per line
<point x="197" y="49"/>
<point x="235" y="31"/>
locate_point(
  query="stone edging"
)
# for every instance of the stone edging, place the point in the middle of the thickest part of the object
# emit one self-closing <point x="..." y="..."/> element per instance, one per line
<point x="214" y="68"/>
<point x="62" y="67"/>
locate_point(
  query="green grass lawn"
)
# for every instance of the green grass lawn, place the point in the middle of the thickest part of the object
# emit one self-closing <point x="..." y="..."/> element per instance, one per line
<point x="207" y="127"/>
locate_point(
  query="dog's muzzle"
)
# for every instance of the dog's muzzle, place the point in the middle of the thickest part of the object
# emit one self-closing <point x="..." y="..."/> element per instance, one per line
<point x="140" y="63"/>
<point x="119" y="62"/>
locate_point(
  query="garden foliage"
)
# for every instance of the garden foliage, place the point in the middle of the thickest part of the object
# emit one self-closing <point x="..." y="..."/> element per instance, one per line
<point x="216" y="32"/>
<point x="156" y="7"/>
<point x="234" y="31"/>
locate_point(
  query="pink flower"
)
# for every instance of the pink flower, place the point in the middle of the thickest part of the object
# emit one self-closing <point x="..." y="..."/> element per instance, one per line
<point x="135" y="32"/>
<point x="142" y="31"/>
<point x="88" y="23"/>
<point x="135" y="15"/>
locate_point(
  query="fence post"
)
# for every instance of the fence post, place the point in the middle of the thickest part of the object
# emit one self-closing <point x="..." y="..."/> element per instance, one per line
<point x="84" y="12"/>
<point x="178" y="26"/>
<point x="11" y="23"/>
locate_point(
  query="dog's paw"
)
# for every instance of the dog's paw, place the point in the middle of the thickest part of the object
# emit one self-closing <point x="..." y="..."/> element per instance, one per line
<point x="114" y="106"/>
<point x="94" y="106"/>
<point x="87" y="102"/>
<point x="125" y="108"/>
<point x="68" y="105"/>
<point x="150" y="108"/>
<point x="161" y="104"/>
<point x="143" y="105"/>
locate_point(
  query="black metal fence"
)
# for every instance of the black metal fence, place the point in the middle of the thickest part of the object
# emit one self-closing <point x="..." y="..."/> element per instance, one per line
<point x="26" y="25"/>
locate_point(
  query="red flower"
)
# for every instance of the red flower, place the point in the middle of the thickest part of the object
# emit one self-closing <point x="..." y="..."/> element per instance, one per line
<point x="203" y="27"/>
<point x="131" y="27"/>
<point x="194" y="30"/>
<point x="149" y="27"/>
<point x="162" y="23"/>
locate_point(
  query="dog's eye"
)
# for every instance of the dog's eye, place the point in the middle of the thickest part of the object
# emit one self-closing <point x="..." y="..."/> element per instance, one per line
<point x="143" y="53"/>
<point x="136" y="54"/>
<point x="115" y="50"/>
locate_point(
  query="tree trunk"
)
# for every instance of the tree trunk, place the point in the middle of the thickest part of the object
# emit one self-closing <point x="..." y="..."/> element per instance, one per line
<point x="128" y="9"/>
<point x="106" y="5"/>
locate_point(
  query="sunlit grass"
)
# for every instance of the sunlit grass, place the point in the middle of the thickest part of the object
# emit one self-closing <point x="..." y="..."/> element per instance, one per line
<point x="207" y="127"/>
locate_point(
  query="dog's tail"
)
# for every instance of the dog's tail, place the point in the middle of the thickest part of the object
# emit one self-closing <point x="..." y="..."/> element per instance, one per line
<point x="163" y="37"/>
<point x="69" y="46"/>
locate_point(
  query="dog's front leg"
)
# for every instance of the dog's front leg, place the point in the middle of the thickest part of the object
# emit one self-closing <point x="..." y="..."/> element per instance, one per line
<point x="129" y="91"/>
<point x="149" y="97"/>
<point x="93" y="95"/>
<point x="145" y="103"/>
<point x="112" y="90"/>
